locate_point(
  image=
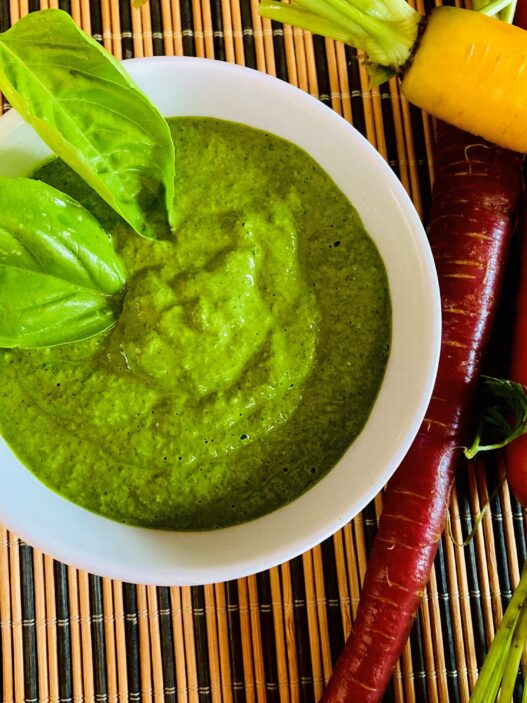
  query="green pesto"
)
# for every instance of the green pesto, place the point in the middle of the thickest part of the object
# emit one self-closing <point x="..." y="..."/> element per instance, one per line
<point x="249" y="350"/>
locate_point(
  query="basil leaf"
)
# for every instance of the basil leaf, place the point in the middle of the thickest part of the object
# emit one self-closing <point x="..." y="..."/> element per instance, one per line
<point x="58" y="269"/>
<point x="87" y="109"/>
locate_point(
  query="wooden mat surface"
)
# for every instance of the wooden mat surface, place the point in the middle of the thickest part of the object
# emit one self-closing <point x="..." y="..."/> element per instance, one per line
<point x="70" y="636"/>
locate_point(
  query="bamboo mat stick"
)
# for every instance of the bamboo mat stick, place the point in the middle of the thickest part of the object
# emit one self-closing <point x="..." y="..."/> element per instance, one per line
<point x="120" y="637"/>
<point x="431" y="682"/>
<point x="334" y="88"/>
<point x="404" y="146"/>
<point x="453" y="584"/>
<point x="407" y="673"/>
<point x="5" y="617"/>
<point x="371" y="110"/>
<point x="115" y="18"/>
<point x="75" y="628"/>
<point x="76" y="12"/>
<point x="166" y="644"/>
<point x="144" y="644"/>
<point x="360" y="546"/>
<point x="292" y="671"/>
<point x="208" y="30"/>
<point x="300" y="59"/>
<point x="237" y="32"/>
<point x="216" y="687"/>
<point x="489" y="554"/>
<point x="267" y="31"/>
<point x="223" y="643"/>
<point x="16" y="618"/>
<point x="508" y="523"/>
<point x="320" y="596"/>
<point x="280" y="637"/>
<point x="176" y="26"/>
<point x="96" y="622"/>
<point x="179" y="645"/>
<point x="168" y="30"/>
<point x="312" y="624"/>
<point x="146" y="31"/>
<point x="397" y="690"/>
<point x="53" y="624"/>
<point x="380" y="134"/>
<point x="260" y="41"/>
<point x="343" y="81"/>
<point x="199" y="41"/>
<point x="137" y="32"/>
<point x="342" y="580"/>
<point x="464" y="597"/>
<point x="352" y="569"/>
<point x="289" y="50"/>
<point x="109" y="624"/>
<point x="190" y="649"/>
<point x="85" y="16"/>
<point x="29" y="644"/>
<point x="256" y="638"/>
<point x="155" y="644"/>
<point x="246" y="644"/>
<point x="86" y="638"/>
<point x="41" y="625"/>
<point x="484" y="579"/>
<point x="415" y="186"/>
<point x="17" y="8"/>
<point x="437" y="631"/>
<point x="311" y="65"/>
<point x="228" y="37"/>
<point x="107" y="27"/>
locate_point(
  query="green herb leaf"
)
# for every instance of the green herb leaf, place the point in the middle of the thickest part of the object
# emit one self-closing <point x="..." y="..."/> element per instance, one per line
<point x="58" y="270"/>
<point x="503" y="415"/>
<point x="88" y="110"/>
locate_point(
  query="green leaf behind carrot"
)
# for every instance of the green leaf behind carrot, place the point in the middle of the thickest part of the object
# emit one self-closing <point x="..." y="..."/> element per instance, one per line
<point x="86" y="108"/>
<point x="59" y="274"/>
<point x="503" y="415"/>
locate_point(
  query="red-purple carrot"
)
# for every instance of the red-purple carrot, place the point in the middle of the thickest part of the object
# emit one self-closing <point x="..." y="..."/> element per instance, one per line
<point x="516" y="452"/>
<point x="475" y="198"/>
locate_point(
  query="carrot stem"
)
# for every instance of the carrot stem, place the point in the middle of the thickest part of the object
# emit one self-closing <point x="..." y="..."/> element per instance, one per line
<point x="385" y="29"/>
<point x="514" y="658"/>
<point x="494" y="7"/>
<point x="496" y="662"/>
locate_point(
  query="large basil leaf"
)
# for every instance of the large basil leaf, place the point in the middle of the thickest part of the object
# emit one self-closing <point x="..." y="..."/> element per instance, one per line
<point x="59" y="273"/>
<point x="88" y="110"/>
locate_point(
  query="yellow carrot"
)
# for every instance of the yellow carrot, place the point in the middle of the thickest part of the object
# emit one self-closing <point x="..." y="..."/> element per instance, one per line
<point x="468" y="68"/>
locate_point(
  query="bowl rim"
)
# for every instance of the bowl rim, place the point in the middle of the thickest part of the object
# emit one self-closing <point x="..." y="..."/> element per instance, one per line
<point x="267" y="555"/>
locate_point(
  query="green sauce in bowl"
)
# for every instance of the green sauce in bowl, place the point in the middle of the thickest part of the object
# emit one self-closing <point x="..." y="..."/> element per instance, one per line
<point x="247" y="357"/>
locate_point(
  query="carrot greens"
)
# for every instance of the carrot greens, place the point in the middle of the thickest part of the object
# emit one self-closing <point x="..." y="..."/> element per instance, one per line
<point x="500" y="670"/>
<point x="385" y="29"/>
<point x="503" y="416"/>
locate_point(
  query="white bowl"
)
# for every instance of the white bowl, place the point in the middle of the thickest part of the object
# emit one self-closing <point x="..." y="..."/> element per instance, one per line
<point x="185" y="86"/>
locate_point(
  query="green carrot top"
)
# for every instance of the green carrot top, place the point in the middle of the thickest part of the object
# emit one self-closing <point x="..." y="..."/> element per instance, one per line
<point x="386" y="30"/>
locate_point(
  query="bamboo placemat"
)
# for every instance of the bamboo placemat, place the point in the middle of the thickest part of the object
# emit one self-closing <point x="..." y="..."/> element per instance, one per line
<point x="70" y="636"/>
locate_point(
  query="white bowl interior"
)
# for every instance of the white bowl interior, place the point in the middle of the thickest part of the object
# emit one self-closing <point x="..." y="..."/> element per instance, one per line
<point x="183" y="86"/>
